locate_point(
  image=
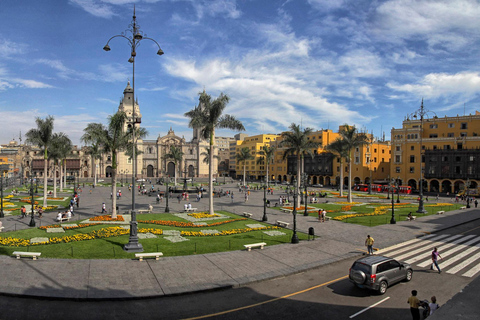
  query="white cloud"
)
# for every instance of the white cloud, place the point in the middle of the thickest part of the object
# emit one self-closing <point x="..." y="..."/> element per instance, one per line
<point x="324" y="5"/>
<point x="363" y="64"/>
<point x="215" y="8"/>
<point x="442" y="85"/>
<point x="95" y="8"/>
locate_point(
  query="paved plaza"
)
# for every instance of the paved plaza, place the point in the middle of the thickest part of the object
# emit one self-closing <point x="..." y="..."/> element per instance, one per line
<point x="106" y="279"/>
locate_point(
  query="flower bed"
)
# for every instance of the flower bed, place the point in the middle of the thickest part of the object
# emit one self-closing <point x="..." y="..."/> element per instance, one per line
<point x="187" y="224"/>
<point x="202" y="215"/>
<point x="106" y="217"/>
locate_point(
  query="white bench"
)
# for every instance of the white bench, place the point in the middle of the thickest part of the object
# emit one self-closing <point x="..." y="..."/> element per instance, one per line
<point x="62" y="219"/>
<point x="411" y="218"/>
<point x="327" y="218"/>
<point x="1" y="228"/>
<point x="149" y="210"/>
<point x="440" y="212"/>
<point x="190" y="209"/>
<point x="286" y="210"/>
<point x="140" y="256"/>
<point x="463" y="208"/>
<point x="34" y="255"/>
<point x="254" y="245"/>
<point x="246" y="214"/>
<point x="282" y="224"/>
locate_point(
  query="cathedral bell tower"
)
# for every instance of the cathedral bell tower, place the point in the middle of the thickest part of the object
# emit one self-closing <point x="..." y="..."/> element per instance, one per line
<point x="126" y="105"/>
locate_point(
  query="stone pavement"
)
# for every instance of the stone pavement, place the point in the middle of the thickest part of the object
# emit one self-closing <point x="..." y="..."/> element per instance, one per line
<point x="107" y="279"/>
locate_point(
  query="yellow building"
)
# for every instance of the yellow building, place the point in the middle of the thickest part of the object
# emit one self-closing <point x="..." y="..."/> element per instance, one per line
<point x="450" y="149"/>
<point x="255" y="169"/>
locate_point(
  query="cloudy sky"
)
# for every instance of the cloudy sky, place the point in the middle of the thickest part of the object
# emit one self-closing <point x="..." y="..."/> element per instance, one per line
<point x="320" y="63"/>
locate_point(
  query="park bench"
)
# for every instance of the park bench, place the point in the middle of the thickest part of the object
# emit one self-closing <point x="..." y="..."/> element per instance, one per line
<point x="34" y="255"/>
<point x="62" y="219"/>
<point x="149" y="210"/>
<point x="286" y="210"/>
<point x="327" y="218"/>
<point x="254" y="245"/>
<point x="440" y="212"/>
<point x="190" y="209"/>
<point x="282" y="224"/>
<point x="411" y="218"/>
<point x="140" y="256"/>
<point x="463" y="208"/>
<point x="246" y="214"/>
<point x="1" y="228"/>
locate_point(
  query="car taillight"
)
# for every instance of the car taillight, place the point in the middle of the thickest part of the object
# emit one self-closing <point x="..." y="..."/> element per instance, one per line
<point x="373" y="278"/>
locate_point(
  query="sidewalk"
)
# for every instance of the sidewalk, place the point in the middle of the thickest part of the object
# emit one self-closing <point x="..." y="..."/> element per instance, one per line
<point x="107" y="279"/>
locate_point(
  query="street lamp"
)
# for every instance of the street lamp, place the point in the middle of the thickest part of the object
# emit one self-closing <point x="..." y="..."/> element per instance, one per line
<point x="398" y="189"/>
<point x="305" y="179"/>
<point x="264" y="218"/>
<point x="392" y="221"/>
<point x="3" y="168"/>
<point x="167" y="194"/>
<point x="32" y="220"/>
<point x="421" y="113"/>
<point x="134" y="40"/>
<point x="294" y="212"/>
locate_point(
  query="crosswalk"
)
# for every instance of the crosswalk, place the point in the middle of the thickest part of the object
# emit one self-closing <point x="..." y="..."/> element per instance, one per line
<point x="461" y="254"/>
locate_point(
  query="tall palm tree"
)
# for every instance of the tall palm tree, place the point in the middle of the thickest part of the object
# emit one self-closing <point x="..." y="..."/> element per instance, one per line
<point x="352" y="139"/>
<point x="267" y="152"/>
<point x="176" y="155"/>
<point x="206" y="156"/>
<point x="340" y="150"/>
<point x="207" y="117"/>
<point x="112" y="139"/>
<point x="242" y="156"/>
<point x="297" y="143"/>
<point x="65" y="147"/>
<point x="42" y="136"/>
<point x="58" y="143"/>
<point x="96" y="153"/>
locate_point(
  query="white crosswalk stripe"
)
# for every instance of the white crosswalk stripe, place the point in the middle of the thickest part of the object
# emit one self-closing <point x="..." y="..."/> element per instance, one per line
<point x="460" y="254"/>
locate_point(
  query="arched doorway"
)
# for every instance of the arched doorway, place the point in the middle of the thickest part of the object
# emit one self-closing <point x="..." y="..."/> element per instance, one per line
<point x="149" y="170"/>
<point x="108" y="171"/>
<point x="413" y="183"/>
<point x="191" y="171"/>
<point x="446" y="186"/>
<point x="434" y="186"/>
<point x="327" y="181"/>
<point x="85" y="174"/>
<point x="171" y="169"/>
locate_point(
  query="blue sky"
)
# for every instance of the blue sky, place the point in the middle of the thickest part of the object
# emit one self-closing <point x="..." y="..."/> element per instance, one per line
<point x="320" y="63"/>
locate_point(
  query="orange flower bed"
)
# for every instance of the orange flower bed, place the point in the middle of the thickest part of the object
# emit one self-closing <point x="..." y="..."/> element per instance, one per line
<point x="107" y="217"/>
<point x="187" y="224"/>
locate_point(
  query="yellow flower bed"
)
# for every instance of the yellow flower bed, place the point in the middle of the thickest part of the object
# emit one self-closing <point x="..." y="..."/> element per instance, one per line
<point x="8" y="203"/>
<point x="201" y="215"/>
<point x="9" y="196"/>
<point x="224" y="232"/>
<point x="106" y="217"/>
<point x="349" y="203"/>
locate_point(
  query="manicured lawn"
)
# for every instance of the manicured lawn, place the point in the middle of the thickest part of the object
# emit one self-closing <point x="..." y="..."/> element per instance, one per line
<point x="111" y="247"/>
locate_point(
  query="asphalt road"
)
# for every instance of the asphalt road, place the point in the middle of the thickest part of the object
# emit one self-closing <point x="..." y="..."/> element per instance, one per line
<point x="323" y="293"/>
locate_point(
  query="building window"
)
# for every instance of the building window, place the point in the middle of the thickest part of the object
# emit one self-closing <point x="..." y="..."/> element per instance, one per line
<point x="383" y="150"/>
<point x="434" y="126"/>
<point x="397" y="148"/>
<point x="412" y="169"/>
<point x="459" y="146"/>
<point x="412" y="159"/>
<point x="374" y="150"/>
<point x="434" y="135"/>
<point x="445" y="159"/>
<point x="383" y="169"/>
<point x="412" y="148"/>
<point x="446" y="147"/>
<point x="397" y="169"/>
<point x="472" y="158"/>
<point x="464" y="126"/>
<point x="450" y="135"/>
<point x="434" y="147"/>
<point x="451" y="125"/>
<point x="463" y="134"/>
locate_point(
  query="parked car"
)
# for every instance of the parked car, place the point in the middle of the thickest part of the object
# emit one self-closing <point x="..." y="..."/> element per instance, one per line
<point x="379" y="272"/>
<point x="317" y="185"/>
<point x="70" y="178"/>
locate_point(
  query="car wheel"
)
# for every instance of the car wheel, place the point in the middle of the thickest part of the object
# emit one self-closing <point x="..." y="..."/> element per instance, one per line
<point x="383" y="287"/>
<point x="409" y="275"/>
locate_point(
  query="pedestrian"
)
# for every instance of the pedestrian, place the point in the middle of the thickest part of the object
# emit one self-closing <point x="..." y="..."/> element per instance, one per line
<point x="324" y="215"/>
<point x="414" y="304"/>
<point x="435" y="256"/>
<point x="23" y="210"/>
<point x="320" y="213"/>
<point x="78" y="201"/>
<point x="433" y="305"/>
<point x="369" y="243"/>
<point x="104" y="209"/>
<point x="476" y="203"/>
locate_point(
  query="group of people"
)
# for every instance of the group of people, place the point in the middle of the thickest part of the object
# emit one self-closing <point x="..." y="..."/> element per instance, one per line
<point x="415" y="305"/>
<point x="322" y="213"/>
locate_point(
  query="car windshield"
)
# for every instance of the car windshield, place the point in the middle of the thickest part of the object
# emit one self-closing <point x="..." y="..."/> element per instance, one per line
<point x="361" y="267"/>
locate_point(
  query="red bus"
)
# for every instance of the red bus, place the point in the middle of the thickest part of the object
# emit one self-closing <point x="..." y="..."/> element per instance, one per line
<point x="405" y="189"/>
<point x="361" y="187"/>
<point x="376" y="188"/>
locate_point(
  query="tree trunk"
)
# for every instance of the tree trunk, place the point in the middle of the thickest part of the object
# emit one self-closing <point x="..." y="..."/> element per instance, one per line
<point x="54" y="180"/>
<point x="350" y="178"/>
<point x="244" y="172"/>
<point x="114" y="185"/>
<point x="61" y="175"/>
<point x="298" y="178"/>
<point x="341" y="178"/>
<point x="45" y="168"/>
<point x="210" y="174"/>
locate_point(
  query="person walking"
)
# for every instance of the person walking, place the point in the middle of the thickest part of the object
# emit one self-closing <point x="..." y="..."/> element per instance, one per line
<point x="435" y="256"/>
<point x="476" y="203"/>
<point x="433" y="305"/>
<point x="414" y="304"/>
<point x="369" y="243"/>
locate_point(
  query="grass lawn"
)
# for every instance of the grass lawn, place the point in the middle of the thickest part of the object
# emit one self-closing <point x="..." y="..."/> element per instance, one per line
<point x="373" y="214"/>
<point x="236" y="231"/>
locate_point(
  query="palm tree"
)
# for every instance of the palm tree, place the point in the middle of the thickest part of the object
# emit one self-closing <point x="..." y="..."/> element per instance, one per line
<point x="42" y="136"/>
<point x="352" y="139"/>
<point x="297" y="143"/>
<point x="96" y="153"/>
<point x="242" y="156"/>
<point x="206" y="155"/>
<point x="176" y="155"/>
<point x="339" y="148"/>
<point x="59" y="145"/>
<point x="207" y="117"/>
<point x="64" y="146"/>
<point x="267" y="153"/>
<point x="112" y="139"/>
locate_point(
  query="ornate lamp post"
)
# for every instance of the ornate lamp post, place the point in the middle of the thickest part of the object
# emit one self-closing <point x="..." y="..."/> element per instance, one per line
<point x="134" y="36"/>
<point x="264" y="218"/>
<point x="167" y="194"/>
<point x="305" y="179"/>
<point x="3" y="169"/>
<point x="392" y="221"/>
<point x="294" y="212"/>
<point x="397" y="183"/>
<point x="421" y="113"/>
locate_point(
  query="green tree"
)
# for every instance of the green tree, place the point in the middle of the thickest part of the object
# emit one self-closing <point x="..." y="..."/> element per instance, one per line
<point x="111" y="139"/>
<point x="340" y="150"/>
<point x="96" y="154"/>
<point x="267" y="152"/>
<point x="65" y="147"/>
<point x="207" y="117"/>
<point x="176" y="155"/>
<point x="297" y="143"/>
<point x="41" y="137"/>
<point x="352" y="139"/>
<point x="242" y="156"/>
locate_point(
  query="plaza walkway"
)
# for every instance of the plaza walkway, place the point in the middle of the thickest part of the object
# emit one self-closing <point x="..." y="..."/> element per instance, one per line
<point x="107" y="279"/>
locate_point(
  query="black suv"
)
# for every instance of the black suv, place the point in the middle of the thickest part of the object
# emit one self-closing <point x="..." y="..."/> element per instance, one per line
<point x="378" y="272"/>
